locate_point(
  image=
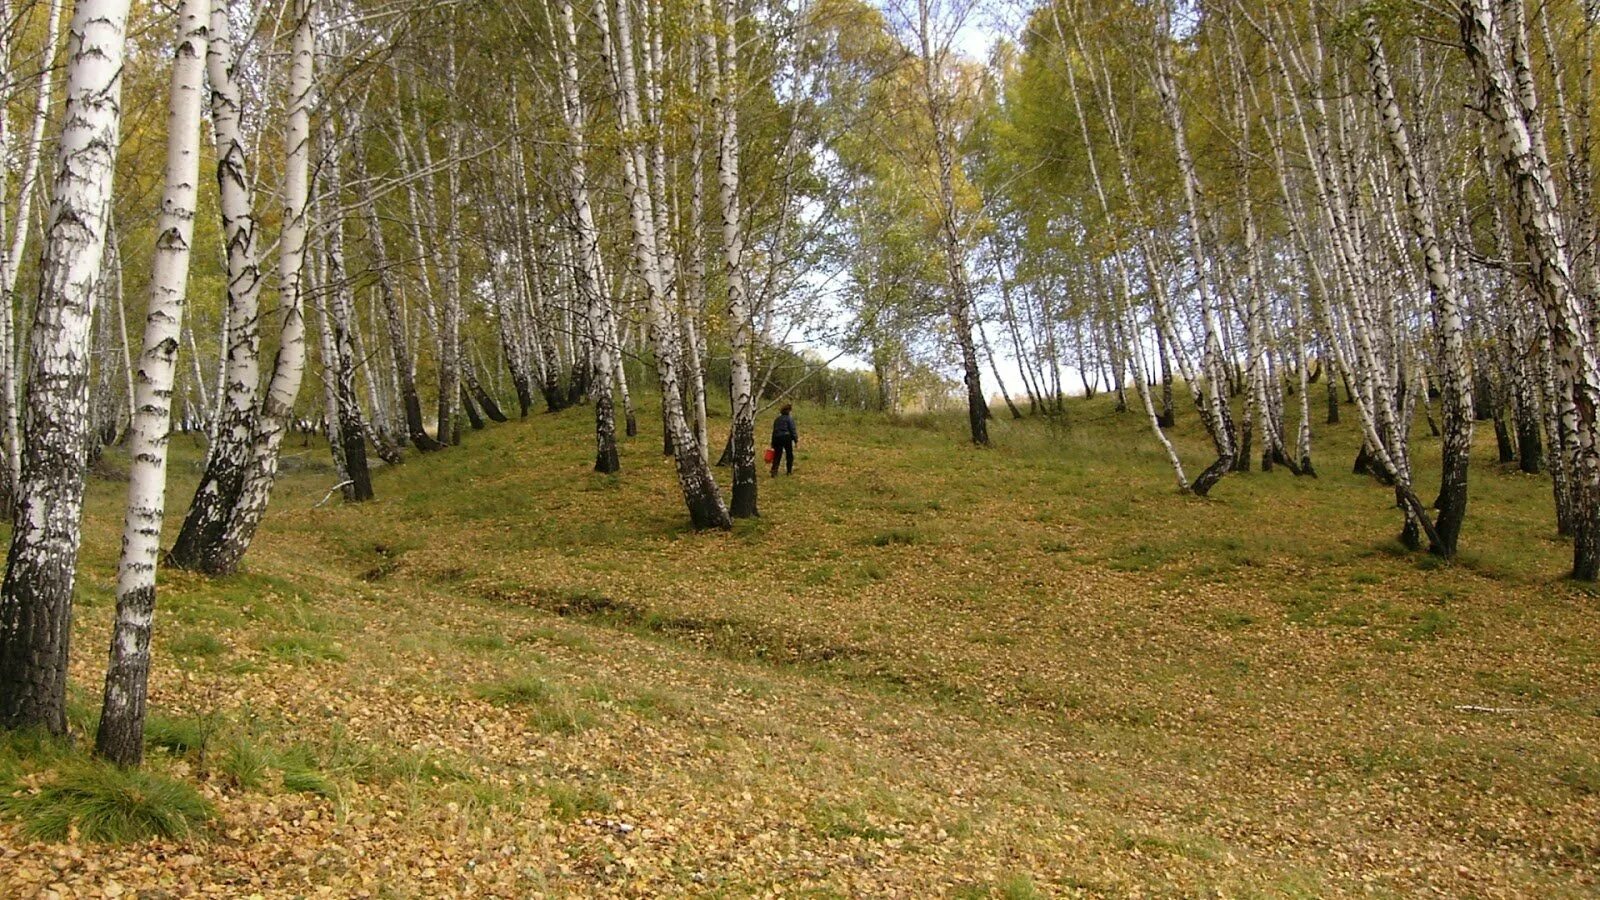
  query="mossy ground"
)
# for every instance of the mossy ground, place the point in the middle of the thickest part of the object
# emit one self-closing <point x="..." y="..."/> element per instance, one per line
<point x="926" y="670"/>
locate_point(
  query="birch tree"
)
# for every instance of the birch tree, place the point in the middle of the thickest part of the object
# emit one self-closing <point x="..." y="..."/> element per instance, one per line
<point x="722" y="64"/>
<point x="36" y="597"/>
<point x="120" y="736"/>
<point x="220" y="551"/>
<point x="226" y="459"/>
<point x="700" y="492"/>
<point x="1511" y="108"/>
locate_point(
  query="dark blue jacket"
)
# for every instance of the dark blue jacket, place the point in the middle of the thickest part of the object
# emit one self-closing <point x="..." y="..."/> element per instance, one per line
<point x="783" y="430"/>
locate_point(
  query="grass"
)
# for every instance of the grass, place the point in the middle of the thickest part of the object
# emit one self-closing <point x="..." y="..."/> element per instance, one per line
<point x="198" y="644"/>
<point x="181" y="736"/>
<point x="521" y="691"/>
<point x="927" y="670"/>
<point x="301" y="649"/>
<point x="552" y="709"/>
<point x="568" y="801"/>
<point x="98" y="802"/>
<point x="244" y="764"/>
<point x="846" y="821"/>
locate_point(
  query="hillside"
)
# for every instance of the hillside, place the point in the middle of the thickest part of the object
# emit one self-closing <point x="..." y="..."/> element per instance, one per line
<point x="928" y="670"/>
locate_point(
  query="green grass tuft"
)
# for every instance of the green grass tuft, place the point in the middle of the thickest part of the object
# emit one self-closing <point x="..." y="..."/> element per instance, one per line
<point x="845" y="821"/>
<point x="300" y="649"/>
<point x="99" y="802"/>
<point x="244" y="763"/>
<point x="308" y="781"/>
<point x="521" y="691"/>
<point x="483" y="642"/>
<point x="569" y="801"/>
<point x="198" y="644"/>
<point x="181" y="736"/>
<point x="893" y="536"/>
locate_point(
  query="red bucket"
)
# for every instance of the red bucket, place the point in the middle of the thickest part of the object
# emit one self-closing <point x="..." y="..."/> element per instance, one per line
<point x="770" y="455"/>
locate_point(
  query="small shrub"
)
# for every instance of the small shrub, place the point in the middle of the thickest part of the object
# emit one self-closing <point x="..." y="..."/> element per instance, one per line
<point x="103" y="803"/>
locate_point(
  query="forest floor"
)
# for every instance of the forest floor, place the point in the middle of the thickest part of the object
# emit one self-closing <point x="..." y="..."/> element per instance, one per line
<point x="926" y="670"/>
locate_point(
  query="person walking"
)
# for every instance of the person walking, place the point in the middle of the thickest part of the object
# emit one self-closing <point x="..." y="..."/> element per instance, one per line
<point x="784" y="438"/>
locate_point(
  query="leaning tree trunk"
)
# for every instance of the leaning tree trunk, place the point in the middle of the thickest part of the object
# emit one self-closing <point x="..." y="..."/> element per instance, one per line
<point x="1457" y="400"/>
<point x="120" y="737"/>
<point x="1124" y="285"/>
<point x="1211" y="368"/>
<point x="349" y="426"/>
<point x="700" y="492"/>
<point x="399" y="346"/>
<point x="36" y="597"/>
<point x="277" y="406"/>
<point x="229" y="454"/>
<point x="591" y="281"/>
<point x="1533" y="195"/>
<point x="485" y="400"/>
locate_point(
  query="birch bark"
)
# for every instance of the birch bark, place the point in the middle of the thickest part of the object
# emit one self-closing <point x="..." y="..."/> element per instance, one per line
<point x="36" y="596"/>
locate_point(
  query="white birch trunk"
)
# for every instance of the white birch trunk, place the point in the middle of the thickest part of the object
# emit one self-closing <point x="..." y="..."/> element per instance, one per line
<point x="700" y="491"/>
<point x="590" y="280"/>
<point x="723" y="70"/>
<point x="1513" y="114"/>
<point x="36" y="598"/>
<point x="120" y="737"/>
<point x="277" y="406"/>
<point x="228" y="456"/>
<point x="16" y="246"/>
<point x="1452" y="506"/>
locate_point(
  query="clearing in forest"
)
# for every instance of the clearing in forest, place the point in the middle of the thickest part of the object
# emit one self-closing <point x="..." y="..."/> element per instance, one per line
<point x="927" y="670"/>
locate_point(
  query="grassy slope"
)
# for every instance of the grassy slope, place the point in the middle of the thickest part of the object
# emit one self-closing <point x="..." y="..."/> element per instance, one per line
<point x="928" y="670"/>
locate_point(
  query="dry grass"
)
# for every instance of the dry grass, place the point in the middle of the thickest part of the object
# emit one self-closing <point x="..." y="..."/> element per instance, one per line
<point x="928" y="670"/>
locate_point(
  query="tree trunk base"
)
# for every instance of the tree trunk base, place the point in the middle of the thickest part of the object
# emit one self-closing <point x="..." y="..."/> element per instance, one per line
<point x="1213" y="474"/>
